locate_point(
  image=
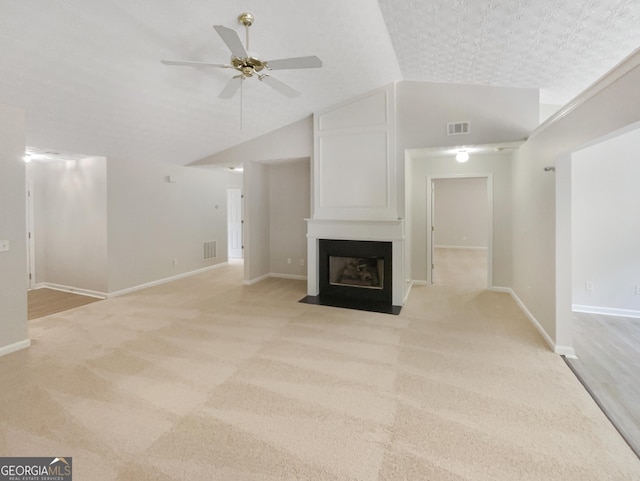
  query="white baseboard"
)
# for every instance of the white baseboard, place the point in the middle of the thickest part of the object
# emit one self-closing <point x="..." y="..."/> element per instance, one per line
<point x="566" y="351"/>
<point x="289" y="276"/>
<point x="16" y="346"/>
<point x="251" y="282"/>
<point x="606" y="311"/>
<point x="276" y="275"/>
<point x="461" y="247"/>
<point x="508" y="290"/>
<point x="165" y="280"/>
<point x="416" y="282"/>
<point x="71" y="290"/>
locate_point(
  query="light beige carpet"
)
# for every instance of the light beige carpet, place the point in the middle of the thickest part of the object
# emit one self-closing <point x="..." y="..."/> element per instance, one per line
<point x="206" y="379"/>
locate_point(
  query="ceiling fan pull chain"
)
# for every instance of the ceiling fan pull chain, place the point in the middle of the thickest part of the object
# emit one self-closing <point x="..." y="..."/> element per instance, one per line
<point x="241" y="82"/>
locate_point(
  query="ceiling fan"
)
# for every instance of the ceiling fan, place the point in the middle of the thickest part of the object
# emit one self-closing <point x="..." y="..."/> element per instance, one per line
<point x="248" y="64"/>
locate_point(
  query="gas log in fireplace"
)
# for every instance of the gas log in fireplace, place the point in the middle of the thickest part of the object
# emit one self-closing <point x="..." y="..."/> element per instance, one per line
<point x="355" y="274"/>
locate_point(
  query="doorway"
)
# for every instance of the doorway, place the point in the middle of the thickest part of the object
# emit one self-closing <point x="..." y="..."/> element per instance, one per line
<point x="598" y="308"/>
<point x="460" y="221"/>
<point x="234" y="223"/>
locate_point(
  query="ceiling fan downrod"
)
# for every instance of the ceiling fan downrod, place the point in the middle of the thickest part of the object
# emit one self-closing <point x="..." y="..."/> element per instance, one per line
<point x="246" y="19"/>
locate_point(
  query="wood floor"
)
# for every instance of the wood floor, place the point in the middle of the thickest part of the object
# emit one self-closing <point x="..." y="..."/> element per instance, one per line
<point x="43" y="302"/>
<point x="608" y="351"/>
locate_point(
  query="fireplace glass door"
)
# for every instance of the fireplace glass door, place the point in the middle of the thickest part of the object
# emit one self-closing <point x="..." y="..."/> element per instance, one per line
<point x="362" y="272"/>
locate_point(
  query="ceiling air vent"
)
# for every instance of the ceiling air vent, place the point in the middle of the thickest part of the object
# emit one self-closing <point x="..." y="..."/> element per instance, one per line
<point x="458" y="128"/>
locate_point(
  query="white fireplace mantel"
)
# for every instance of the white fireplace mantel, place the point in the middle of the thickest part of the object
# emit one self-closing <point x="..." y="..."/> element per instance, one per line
<point x="364" y="230"/>
<point x="355" y="183"/>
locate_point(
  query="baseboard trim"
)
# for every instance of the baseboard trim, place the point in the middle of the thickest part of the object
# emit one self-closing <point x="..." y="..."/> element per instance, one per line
<point x="506" y="290"/>
<point x="71" y="290"/>
<point x="165" y="280"/>
<point x="566" y="351"/>
<point x="295" y="277"/>
<point x="251" y="282"/>
<point x="606" y="311"/>
<point x="16" y="346"/>
<point x="276" y="275"/>
<point x="479" y="248"/>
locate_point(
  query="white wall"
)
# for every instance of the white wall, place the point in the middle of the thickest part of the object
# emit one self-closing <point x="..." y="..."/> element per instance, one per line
<point x="606" y="224"/>
<point x="461" y="213"/>
<point x="70" y="215"/>
<point x="257" y="247"/>
<point x="277" y="200"/>
<point x="354" y="167"/>
<point x="13" y="263"/>
<point x="496" y="164"/>
<point x="408" y="222"/>
<point x="497" y="114"/>
<point x="36" y="173"/>
<point x="289" y="205"/>
<point x="608" y="106"/>
<point x="153" y="222"/>
<point x="294" y="141"/>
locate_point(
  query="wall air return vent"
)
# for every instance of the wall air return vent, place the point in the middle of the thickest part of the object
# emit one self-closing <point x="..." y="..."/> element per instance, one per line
<point x="458" y="128"/>
<point x="208" y="250"/>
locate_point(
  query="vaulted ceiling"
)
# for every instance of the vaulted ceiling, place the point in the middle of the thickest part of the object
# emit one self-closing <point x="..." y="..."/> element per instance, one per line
<point x="89" y="76"/>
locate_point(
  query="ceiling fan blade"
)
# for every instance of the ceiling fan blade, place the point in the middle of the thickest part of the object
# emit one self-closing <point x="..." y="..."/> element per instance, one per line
<point x="230" y="38"/>
<point x="281" y="87"/>
<point x="231" y="88"/>
<point x="190" y="63"/>
<point x="294" y="62"/>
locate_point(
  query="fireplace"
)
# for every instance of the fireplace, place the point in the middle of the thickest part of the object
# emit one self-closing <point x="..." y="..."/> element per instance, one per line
<point x="355" y="274"/>
<point x="353" y="269"/>
<point x="356" y="264"/>
<point x="361" y="272"/>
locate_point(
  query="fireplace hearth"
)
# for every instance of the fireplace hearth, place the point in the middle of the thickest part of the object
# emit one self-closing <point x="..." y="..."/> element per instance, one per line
<point x="355" y="274"/>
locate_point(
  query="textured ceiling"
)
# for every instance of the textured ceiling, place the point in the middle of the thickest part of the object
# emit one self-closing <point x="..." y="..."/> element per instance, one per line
<point x="89" y="76"/>
<point x="557" y="46"/>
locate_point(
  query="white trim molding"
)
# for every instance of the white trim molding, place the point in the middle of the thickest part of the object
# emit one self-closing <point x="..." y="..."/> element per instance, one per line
<point x="566" y="351"/>
<point x="606" y="311"/>
<point x="275" y="275"/>
<point x="16" y="346"/>
<point x="251" y="282"/>
<point x="479" y="248"/>
<point x="165" y="280"/>
<point x="71" y="290"/>
<point x="620" y="70"/>
<point x="295" y="277"/>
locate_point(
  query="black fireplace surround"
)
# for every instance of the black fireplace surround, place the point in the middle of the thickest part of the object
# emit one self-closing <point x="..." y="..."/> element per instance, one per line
<point x="355" y="274"/>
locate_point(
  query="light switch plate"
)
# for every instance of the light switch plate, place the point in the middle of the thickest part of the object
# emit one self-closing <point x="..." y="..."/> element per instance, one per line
<point x="4" y="245"/>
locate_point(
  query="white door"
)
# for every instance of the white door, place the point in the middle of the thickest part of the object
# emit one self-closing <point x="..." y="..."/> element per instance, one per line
<point x="234" y="223"/>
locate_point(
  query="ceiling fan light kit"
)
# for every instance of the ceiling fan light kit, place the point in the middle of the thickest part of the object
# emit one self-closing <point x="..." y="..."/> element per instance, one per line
<point x="248" y="64"/>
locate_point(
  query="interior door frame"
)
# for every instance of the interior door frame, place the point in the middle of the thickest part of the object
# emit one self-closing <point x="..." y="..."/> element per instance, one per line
<point x="430" y="220"/>
<point x="30" y="237"/>
<point x="240" y="207"/>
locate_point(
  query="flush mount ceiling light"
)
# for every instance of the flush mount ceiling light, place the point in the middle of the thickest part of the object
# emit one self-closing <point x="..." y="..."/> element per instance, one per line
<point x="462" y="156"/>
